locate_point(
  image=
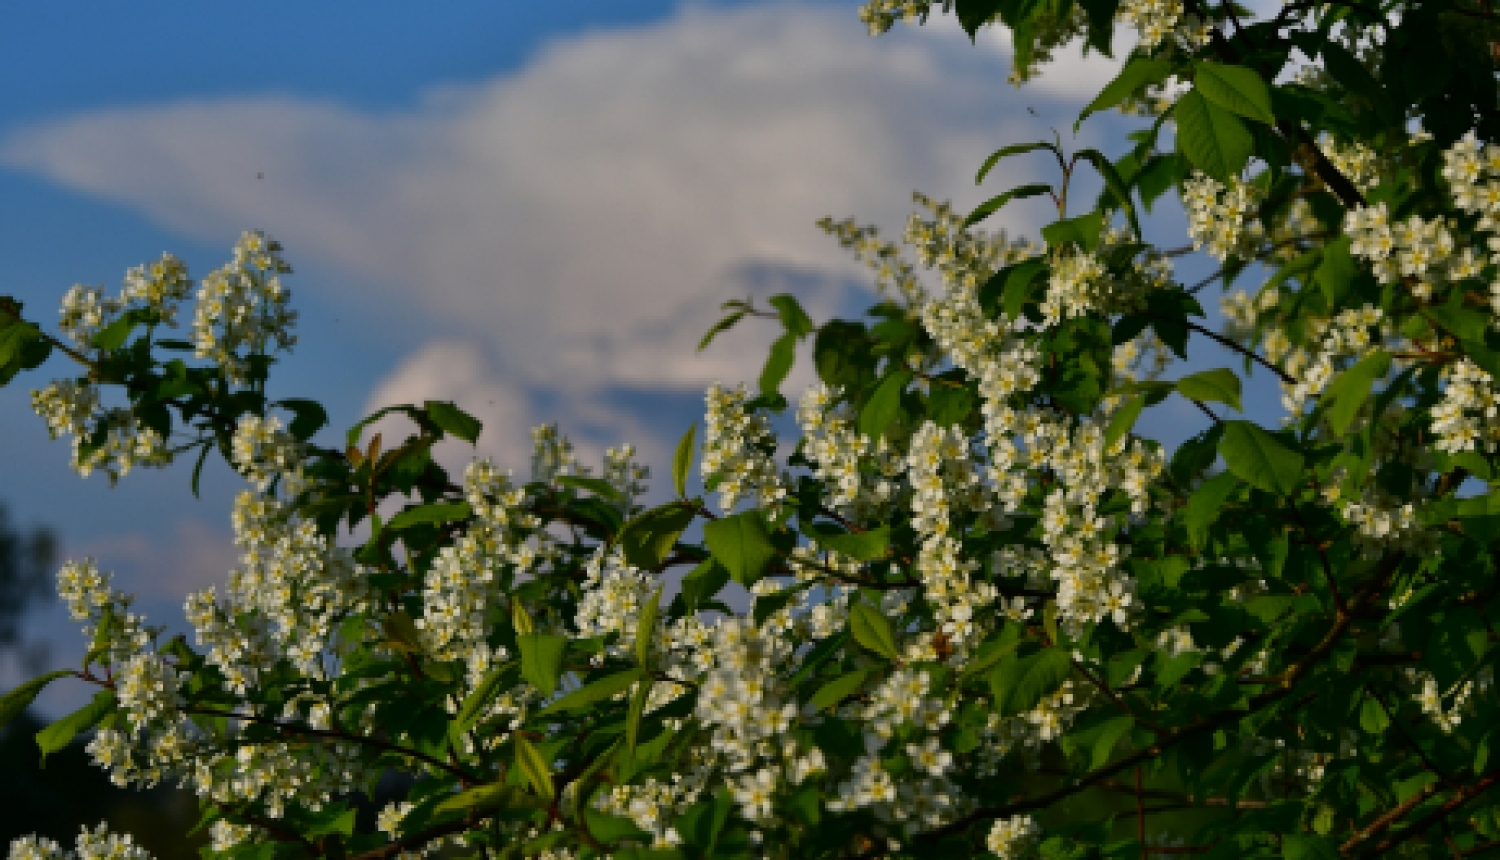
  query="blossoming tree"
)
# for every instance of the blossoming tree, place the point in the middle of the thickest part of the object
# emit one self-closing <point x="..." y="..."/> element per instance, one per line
<point x="984" y="614"/>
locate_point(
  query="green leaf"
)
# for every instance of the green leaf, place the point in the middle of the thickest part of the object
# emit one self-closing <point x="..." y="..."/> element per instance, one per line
<point x="61" y="733"/>
<point x="1123" y="419"/>
<point x="778" y="364"/>
<point x="454" y="420"/>
<point x="604" y="688"/>
<point x="884" y="404"/>
<point x="1235" y="88"/>
<point x="1303" y="846"/>
<point x="1372" y="716"/>
<point x="649" y="537"/>
<point x="1006" y="152"/>
<point x="633" y="718"/>
<point x="870" y="545"/>
<point x="1260" y="459"/>
<point x="703" y="582"/>
<point x="839" y="689"/>
<point x="682" y="461"/>
<point x="1083" y="231"/>
<point x="1219" y="386"/>
<point x="479" y="699"/>
<point x="795" y="319"/>
<point x="537" y="771"/>
<point x="873" y="630"/>
<point x="1139" y="73"/>
<point x="438" y="512"/>
<point x="992" y="205"/>
<point x="14" y="337"/>
<point x="1214" y="140"/>
<point x="1346" y="394"/>
<point x="719" y="327"/>
<point x="16" y="701"/>
<point x="1103" y="737"/>
<point x="645" y="627"/>
<point x="598" y="486"/>
<point x="114" y="335"/>
<point x="1018" y="286"/>
<point x="1336" y="269"/>
<point x="541" y="660"/>
<point x="485" y="797"/>
<point x="992" y="651"/>
<point x="1114" y="182"/>
<point x="310" y="416"/>
<point x="1019" y="685"/>
<point x="742" y="544"/>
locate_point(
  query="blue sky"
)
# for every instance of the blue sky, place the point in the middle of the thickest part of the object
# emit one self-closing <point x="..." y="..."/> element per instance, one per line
<point x="532" y="209"/>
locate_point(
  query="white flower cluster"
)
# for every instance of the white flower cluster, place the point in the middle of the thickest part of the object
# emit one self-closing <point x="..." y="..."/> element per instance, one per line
<point x="98" y="844"/>
<point x="1361" y="164"/>
<point x="1347" y="338"/>
<point x="290" y="592"/>
<point x="1426" y="251"/>
<point x="468" y="579"/>
<point x="962" y="258"/>
<point x="1163" y="22"/>
<point x="880" y="15"/>
<point x="1465" y="418"/>
<point x="1014" y="837"/>
<point x="650" y="804"/>
<point x="263" y="451"/>
<point x="552" y="454"/>
<point x="111" y="440"/>
<point x="1462" y="696"/>
<point x="244" y="306"/>
<point x="835" y="448"/>
<point x="739" y="452"/>
<point x="1222" y="218"/>
<point x="116" y="633"/>
<point x="158" y="287"/>
<point x="614" y="593"/>
<point x="1079" y="283"/>
<point x="628" y="476"/>
<point x="149" y="689"/>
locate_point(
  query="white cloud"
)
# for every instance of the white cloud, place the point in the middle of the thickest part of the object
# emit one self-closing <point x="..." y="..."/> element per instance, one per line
<point x="586" y="215"/>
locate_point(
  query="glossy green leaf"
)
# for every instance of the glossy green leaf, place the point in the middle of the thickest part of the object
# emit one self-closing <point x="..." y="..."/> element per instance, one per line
<point x="1123" y="419"/>
<point x="870" y="545"/>
<point x="720" y="327"/>
<point x="542" y="659"/>
<point x="741" y="543"/>
<point x="1020" y="685"/>
<point x="1350" y="389"/>
<point x="993" y="205"/>
<point x="645" y="627"/>
<point x="793" y="318"/>
<point x="1235" y="88"/>
<point x="832" y="693"/>
<point x="488" y="688"/>
<point x="1219" y="385"/>
<point x="536" y="769"/>
<point x="16" y="701"/>
<point x="1008" y="151"/>
<point x="1213" y="139"/>
<point x="703" y="582"/>
<point x="778" y="364"/>
<point x="873" y="630"/>
<point x="453" y="420"/>
<point x="598" y="486"/>
<point x="884" y="405"/>
<point x="604" y="688"/>
<point x="682" y="460"/>
<point x="437" y="513"/>
<point x="61" y="733"/>
<point x="647" y="539"/>
<point x="1139" y="73"/>
<point x="486" y="797"/>
<point x="1260" y="459"/>
<point x="1115" y="183"/>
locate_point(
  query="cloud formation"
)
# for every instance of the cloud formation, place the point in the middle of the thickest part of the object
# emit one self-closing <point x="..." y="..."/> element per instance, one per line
<point x="579" y="222"/>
